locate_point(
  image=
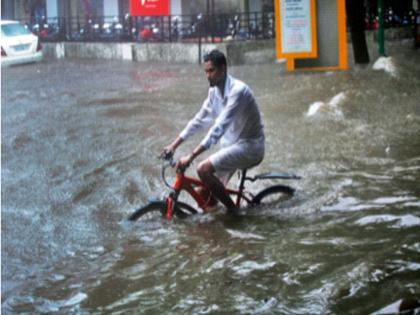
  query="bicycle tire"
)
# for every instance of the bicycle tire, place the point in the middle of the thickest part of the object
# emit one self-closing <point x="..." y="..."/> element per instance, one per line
<point x="279" y="192"/>
<point x="182" y="210"/>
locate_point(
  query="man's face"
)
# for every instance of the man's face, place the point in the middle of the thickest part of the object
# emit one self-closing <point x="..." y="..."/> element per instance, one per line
<point x="214" y="75"/>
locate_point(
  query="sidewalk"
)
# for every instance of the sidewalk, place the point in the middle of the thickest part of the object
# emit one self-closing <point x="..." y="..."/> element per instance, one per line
<point x="249" y="52"/>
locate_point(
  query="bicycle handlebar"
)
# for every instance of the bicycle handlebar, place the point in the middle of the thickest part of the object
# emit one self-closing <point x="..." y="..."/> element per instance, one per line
<point x="166" y="156"/>
<point x="168" y="160"/>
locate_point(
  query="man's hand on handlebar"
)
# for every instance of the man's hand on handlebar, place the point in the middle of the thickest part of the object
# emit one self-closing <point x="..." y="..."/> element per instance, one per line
<point x="167" y="152"/>
<point x="184" y="162"/>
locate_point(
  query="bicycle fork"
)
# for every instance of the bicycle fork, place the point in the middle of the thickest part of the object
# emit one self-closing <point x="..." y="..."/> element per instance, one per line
<point x="170" y="207"/>
<point x="173" y="197"/>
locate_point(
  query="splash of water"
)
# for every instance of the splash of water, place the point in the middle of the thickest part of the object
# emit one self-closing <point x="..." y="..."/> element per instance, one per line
<point x="386" y="64"/>
<point x="330" y="109"/>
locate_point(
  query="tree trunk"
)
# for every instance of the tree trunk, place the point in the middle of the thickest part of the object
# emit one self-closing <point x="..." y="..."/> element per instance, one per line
<point x="356" y="20"/>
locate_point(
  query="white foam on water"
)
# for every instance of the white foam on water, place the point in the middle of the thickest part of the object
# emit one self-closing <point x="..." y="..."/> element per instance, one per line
<point x="412" y="204"/>
<point x="357" y="278"/>
<point x="344" y="204"/>
<point x="330" y="109"/>
<point x="407" y="221"/>
<point x="337" y="99"/>
<point x="247" y="267"/>
<point x="386" y="64"/>
<point x="389" y="309"/>
<point x="292" y="278"/>
<point x="412" y="118"/>
<point x="408" y="265"/>
<point x="394" y="308"/>
<point x="314" y="108"/>
<point x="219" y="264"/>
<point x="57" y="277"/>
<point x="77" y="299"/>
<point x="393" y="200"/>
<point x="266" y="306"/>
<point x="210" y="309"/>
<point x="317" y="300"/>
<point x="402" y="221"/>
<point x="242" y="235"/>
<point x="414" y="247"/>
<point x="130" y="298"/>
<point x="48" y="307"/>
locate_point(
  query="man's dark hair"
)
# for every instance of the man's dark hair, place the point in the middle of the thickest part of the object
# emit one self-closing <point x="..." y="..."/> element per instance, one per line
<point x="217" y="57"/>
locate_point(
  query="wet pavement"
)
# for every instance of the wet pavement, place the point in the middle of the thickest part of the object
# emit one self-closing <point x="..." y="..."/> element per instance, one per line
<point x="79" y="146"/>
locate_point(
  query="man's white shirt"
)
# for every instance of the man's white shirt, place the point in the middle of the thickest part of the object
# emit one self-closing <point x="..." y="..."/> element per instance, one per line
<point x="234" y="117"/>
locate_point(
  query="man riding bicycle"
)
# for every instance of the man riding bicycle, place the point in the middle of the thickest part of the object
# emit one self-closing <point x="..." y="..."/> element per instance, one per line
<point x="235" y="119"/>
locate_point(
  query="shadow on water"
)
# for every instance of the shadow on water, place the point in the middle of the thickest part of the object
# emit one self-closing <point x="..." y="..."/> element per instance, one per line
<point x="79" y="154"/>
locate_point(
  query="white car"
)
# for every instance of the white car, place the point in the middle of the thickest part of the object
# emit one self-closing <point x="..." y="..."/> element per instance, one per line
<point x="18" y="44"/>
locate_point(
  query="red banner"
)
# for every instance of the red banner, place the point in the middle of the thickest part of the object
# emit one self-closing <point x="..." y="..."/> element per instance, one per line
<point x="149" y="7"/>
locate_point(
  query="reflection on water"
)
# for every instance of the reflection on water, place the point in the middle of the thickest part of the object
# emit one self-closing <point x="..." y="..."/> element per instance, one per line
<point x="79" y="146"/>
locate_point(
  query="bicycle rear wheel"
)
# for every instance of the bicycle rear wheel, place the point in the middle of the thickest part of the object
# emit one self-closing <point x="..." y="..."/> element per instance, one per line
<point x="158" y="209"/>
<point x="274" y="194"/>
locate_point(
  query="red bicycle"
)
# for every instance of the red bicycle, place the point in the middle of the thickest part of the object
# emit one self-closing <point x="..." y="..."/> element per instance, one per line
<point x="170" y="205"/>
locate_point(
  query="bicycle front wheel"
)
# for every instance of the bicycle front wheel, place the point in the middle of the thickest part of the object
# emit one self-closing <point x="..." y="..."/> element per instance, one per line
<point x="273" y="195"/>
<point x="158" y="208"/>
<point x="183" y="210"/>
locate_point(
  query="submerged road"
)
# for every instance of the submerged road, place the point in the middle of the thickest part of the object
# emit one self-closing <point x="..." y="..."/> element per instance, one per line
<point x="79" y="143"/>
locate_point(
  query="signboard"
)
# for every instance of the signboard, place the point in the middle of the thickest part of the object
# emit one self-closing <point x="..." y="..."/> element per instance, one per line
<point x="296" y="29"/>
<point x="149" y="7"/>
<point x="332" y="39"/>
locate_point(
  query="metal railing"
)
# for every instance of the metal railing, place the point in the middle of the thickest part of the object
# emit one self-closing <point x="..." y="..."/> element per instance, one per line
<point x="173" y="28"/>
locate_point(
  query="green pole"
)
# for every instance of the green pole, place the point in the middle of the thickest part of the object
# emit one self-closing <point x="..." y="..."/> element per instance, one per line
<point x="381" y="28"/>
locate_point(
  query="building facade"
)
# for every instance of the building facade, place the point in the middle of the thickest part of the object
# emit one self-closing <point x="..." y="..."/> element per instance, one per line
<point x="33" y="10"/>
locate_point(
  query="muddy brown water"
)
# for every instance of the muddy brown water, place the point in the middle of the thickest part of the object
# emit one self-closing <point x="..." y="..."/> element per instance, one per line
<point x="79" y="142"/>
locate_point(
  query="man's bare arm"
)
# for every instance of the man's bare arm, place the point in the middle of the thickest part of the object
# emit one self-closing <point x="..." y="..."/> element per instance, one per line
<point x="185" y="161"/>
<point x="170" y="149"/>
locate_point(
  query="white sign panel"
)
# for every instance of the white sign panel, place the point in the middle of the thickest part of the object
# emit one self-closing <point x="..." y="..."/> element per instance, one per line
<point x="295" y="17"/>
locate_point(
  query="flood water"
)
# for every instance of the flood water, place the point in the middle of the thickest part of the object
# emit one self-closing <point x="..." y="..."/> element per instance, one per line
<point x="79" y="141"/>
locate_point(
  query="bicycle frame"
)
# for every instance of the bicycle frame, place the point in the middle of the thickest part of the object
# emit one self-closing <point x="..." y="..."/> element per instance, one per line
<point x="190" y="184"/>
<point x="183" y="182"/>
